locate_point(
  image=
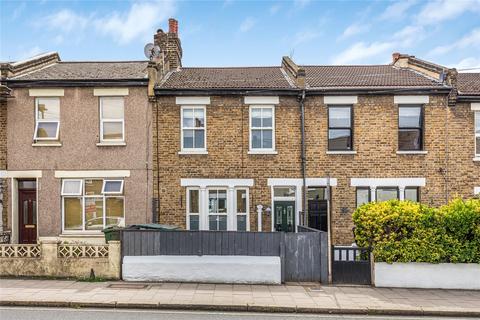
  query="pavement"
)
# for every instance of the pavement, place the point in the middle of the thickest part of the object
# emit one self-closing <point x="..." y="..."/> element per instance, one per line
<point x="289" y="298"/>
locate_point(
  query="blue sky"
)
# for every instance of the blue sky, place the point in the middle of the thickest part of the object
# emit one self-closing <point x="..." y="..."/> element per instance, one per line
<point x="240" y="33"/>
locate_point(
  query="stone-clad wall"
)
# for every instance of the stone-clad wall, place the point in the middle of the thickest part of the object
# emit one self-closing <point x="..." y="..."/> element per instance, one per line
<point x="375" y="140"/>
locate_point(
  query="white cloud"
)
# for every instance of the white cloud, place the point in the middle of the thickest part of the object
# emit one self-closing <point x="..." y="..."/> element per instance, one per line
<point x="409" y="35"/>
<point x="65" y="21"/>
<point x="247" y="24"/>
<point x="472" y="63"/>
<point x="227" y="3"/>
<point x="354" y="29"/>
<point x="18" y="11"/>
<point x="443" y="10"/>
<point x="301" y="3"/>
<point x="472" y="39"/>
<point x="138" y="23"/>
<point x="397" y="10"/>
<point x="34" y="51"/>
<point x="274" y="9"/>
<point x="361" y="52"/>
<point x="304" y="36"/>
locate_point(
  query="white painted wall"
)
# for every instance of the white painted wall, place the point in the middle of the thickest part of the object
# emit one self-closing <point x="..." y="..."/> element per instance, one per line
<point x="206" y="269"/>
<point x="428" y="275"/>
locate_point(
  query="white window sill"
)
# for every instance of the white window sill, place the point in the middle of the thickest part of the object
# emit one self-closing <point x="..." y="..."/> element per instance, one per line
<point x="86" y="234"/>
<point x="42" y="144"/>
<point x="342" y="152"/>
<point x="262" y="152"/>
<point x="413" y="152"/>
<point x="185" y="152"/>
<point x="111" y="144"/>
<point x="477" y="158"/>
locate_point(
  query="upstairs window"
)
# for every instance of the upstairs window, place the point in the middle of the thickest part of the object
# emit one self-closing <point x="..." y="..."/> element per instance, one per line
<point x="47" y="118"/>
<point x="410" y="127"/>
<point x="262" y="128"/>
<point x="193" y="128"/>
<point x="477" y="133"/>
<point x="340" y="131"/>
<point x="112" y="123"/>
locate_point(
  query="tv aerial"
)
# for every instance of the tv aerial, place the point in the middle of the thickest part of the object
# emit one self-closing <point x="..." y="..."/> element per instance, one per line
<point x="151" y="51"/>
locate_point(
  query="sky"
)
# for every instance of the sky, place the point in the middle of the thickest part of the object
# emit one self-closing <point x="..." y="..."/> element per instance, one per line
<point x="247" y="33"/>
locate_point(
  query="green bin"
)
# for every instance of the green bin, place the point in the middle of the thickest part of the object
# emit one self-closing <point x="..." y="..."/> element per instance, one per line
<point x="112" y="234"/>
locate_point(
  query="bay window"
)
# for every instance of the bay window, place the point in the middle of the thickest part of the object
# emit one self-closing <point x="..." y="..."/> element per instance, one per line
<point x="410" y="127"/>
<point x="340" y="128"/>
<point x="262" y="128"/>
<point x="366" y="194"/>
<point x="47" y="119"/>
<point x="92" y="204"/>
<point x="193" y="124"/>
<point x="112" y="123"/>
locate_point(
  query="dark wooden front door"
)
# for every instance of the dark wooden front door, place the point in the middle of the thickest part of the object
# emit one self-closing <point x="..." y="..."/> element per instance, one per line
<point x="284" y="215"/>
<point x="27" y="216"/>
<point x="317" y="214"/>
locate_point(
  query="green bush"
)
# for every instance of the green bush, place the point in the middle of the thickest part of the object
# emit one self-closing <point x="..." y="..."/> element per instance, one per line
<point x="404" y="231"/>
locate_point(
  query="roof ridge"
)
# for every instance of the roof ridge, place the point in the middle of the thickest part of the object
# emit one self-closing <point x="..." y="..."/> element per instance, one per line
<point x="238" y="67"/>
<point x="345" y="65"/>
<point x="123" y="61"/>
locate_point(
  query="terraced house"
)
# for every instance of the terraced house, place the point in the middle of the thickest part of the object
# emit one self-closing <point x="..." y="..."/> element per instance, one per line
<point x="93" y="144"/>
<point x="78" y="141"/>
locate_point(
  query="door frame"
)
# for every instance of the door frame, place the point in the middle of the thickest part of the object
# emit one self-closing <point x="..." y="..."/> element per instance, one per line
<point x="14" y="199"/>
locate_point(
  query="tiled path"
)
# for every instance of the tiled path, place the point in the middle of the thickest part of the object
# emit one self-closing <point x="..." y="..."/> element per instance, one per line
<point x="287" y="298"/>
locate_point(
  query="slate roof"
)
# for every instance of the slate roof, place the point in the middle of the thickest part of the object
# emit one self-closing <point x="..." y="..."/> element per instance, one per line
<point x="88" y="71"/>
<point x="469" y="84"/>
<point x="369" y="76"/>
<point x="227" y="78"/>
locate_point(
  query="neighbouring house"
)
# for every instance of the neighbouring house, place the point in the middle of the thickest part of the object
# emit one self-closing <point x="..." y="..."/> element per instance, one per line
<point x="269" y="148"/>
<point x="79" y="148"/>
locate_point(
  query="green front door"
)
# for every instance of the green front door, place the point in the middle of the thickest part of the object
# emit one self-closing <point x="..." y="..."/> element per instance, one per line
<point x="284" y="216"/>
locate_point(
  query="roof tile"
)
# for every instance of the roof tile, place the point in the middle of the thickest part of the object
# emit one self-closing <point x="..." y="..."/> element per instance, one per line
<point x="469" y="84"/>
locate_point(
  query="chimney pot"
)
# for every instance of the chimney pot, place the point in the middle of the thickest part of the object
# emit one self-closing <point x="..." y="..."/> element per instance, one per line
<point x="395" y="56"/>
<point x="172" y="26"/>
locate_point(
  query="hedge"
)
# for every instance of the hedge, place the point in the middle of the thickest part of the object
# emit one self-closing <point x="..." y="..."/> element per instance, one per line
<point x="404" y="231"/>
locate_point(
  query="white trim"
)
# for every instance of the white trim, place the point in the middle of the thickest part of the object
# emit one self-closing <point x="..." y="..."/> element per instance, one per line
<point x="420" y="152"/>
<point x="262" y="100"/>
<point x="475" y="106"/>
<point x="476" y="159"/>
<point x="226" y="183"/>
<point x="106" y="92"/>
<point x="92" y="174"/>
<point x="21" y="174"/>
<point x="112" y="192"/>
<point x="476" y="190"/>
<point x="186" y="152"/>
<point x="310" y="182"/>
<point x="192" y="100"/>
<point x="341" y="152"/>
<point x="340" y="99"/>
<point x="46" y="92"/>
<point x="251" y="128"/>
<point x="411" y="99"/>
<point x="79" y="191"/>
<point x="111" y="120"/>
<point x="388" y="182"/>
<point x="111" y="144"/>
<point x="58" y="144"/>
<point x="193" y="150"/>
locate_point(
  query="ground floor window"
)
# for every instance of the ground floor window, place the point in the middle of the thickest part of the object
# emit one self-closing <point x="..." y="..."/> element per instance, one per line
<point x="92" y="204"/>
<point x="225" y="209"/>
<point x="366" y="194"/>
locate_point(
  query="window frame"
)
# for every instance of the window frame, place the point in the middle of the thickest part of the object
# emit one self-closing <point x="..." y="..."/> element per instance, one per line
<point x="421" y="129"/>
<point x="193" y="213"/>
<point x="80" y="191"/>
<point x="37" y="120"/>
<point x="411" y="188"/>
<point x="108" y="120"/>
<point x="182" y="128"/>
<point x="251" y="128"/>
<point x="105" y="181"/>
<point x="217" y="189"/>
<point x="84" y="196"/>
<point x="350" y="128"/>
<point x="387" y="188"/>
<point x="369" y="195"/>
<point x="247" y="208"/>
<point x="476" y="117"/>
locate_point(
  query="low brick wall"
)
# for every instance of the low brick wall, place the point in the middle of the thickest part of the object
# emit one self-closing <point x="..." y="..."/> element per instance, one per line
<point x="53" y="259"/>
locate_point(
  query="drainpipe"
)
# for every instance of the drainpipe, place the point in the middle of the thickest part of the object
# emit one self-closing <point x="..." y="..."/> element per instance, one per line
<point x="304" y="178"/>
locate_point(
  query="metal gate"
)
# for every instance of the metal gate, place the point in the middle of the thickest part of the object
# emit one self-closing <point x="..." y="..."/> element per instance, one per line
<point x="351" y="265"/>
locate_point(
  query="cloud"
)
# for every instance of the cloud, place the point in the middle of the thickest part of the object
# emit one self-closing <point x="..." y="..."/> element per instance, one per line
<point x="409" y="35"/>
<point x="301" y="3"/>
<point x="471" y="64"/>
<point x="397" y="10"/>
<point x="34" y="51"/>
<point x="443" y="10"/>
<point x="18" y="11"/>
<point x="274" y="9"/>
<point x="354" y="29"/>
<point x="227" y="3"/>
<point x="247" y="24"/>
<point x="138" y="23"/>
<point x="65" y="21"/>
<point x="361" y="52"/>
<point x="471" y="39"/>
<point x="304" y="36"/>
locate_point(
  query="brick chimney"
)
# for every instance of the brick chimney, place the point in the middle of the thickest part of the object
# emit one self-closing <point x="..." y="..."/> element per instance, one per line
<point x="171" y="47"/>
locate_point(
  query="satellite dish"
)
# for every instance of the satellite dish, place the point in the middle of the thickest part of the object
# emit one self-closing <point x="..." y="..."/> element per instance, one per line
<point x="151" y="51"/>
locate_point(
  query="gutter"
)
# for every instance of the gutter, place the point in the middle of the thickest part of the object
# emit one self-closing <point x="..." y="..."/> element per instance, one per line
<point x="468" y="98"/>
<point x="12" y="83"/>
<point x="220" y="92"/>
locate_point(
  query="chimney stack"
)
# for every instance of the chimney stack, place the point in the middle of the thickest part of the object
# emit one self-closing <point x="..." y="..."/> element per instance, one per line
<point x="171" y="49"/>
<point x="172" y="26"/>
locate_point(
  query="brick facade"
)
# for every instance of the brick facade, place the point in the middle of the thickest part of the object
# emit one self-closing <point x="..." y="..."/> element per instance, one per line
<point x="3" y="158"/>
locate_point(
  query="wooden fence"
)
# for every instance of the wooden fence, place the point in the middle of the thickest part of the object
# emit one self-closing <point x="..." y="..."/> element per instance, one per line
<point x="303" y="255"/>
